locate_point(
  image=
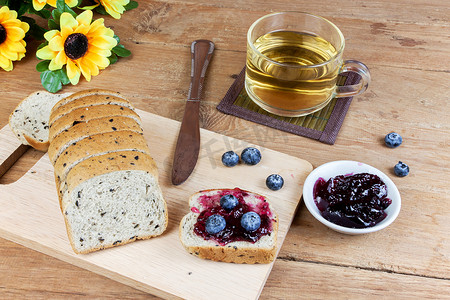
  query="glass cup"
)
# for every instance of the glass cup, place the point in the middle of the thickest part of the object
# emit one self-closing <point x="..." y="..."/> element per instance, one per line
<point x="293" y="63"/>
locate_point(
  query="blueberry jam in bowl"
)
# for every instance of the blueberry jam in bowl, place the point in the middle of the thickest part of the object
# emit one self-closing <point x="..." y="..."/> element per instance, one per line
<point x="351" y="197"/>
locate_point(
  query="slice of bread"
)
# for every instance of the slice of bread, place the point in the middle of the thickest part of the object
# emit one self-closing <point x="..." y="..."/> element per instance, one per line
<point x="82" y="94"/>
<point x="112" y="202"/>
<point x="83" y="130"/>
<point x="86" y="101"/>
<point x="262" y="251"/>
<point x="95" y="145"/>
<point x="107" y="163"/>
<point x="87" y="114"/>
<point x="29" y="120"/>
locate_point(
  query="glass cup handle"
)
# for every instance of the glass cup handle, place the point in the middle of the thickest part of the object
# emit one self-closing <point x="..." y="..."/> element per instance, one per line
<point x="355" y="89"/>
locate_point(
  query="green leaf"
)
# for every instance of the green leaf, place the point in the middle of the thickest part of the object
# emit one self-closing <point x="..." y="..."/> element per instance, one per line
<point x="121" y="51"/>
<point x="60" y="5"/>
<point x="112" y="59"/>
<point x="70" y="11"/>
<point x="3" y="2"/>
<point x="56" y="14"/>
<point x="42" y="66"/>
<point x="51" y="81"/>
<point x="131" y="5"/>
<point x="42" y="45"/>
<point x="37" y="32"/>
<point x="23" y="9"/>
<point x="63" y="75"/>
<point x="52" y="24"/>
<point x="101" y="10"/>
<point x="117" y="39"/>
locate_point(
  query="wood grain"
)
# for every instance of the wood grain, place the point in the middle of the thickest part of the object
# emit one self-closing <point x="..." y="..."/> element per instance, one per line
<point x="34" y="219"/>
<point x="405" y="44"/>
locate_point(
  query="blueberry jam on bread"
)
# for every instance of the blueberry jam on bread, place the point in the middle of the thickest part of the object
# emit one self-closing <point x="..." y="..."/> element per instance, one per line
<point x="230" y="225"/>
<point x="233" y="230"/>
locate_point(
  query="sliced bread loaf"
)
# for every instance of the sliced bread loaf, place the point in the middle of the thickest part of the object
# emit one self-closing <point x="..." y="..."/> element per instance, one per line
<point x="101" y="219"/>
<point x="82" y="94"/>
<point x="113" y="202"/>
<point x="87" y="114"/>
<point x="95" y="145"/>
<point x="232" y="243"/>
<point x="83" y="130"/>
<point x="86" y="101"/>
<point x="29" y="120"/>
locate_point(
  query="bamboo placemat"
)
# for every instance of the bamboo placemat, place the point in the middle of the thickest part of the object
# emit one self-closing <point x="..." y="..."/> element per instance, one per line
<point x="323" y="125"/>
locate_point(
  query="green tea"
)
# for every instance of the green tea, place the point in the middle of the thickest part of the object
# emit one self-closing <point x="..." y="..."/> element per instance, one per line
<point x="280" y="78"/>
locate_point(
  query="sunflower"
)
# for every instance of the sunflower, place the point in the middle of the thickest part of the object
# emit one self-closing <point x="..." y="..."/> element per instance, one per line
<point x="80" y="45"/>
<point x="114" y="8"/>
<point x="39" y="4"/>
<point x="12" y="32"/>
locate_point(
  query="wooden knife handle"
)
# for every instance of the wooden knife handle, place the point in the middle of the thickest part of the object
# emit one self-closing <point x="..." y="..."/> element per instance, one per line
<point x="201" y="52"/>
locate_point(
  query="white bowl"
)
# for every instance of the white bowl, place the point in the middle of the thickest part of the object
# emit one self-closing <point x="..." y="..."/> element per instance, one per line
<point x="342" y="167"/>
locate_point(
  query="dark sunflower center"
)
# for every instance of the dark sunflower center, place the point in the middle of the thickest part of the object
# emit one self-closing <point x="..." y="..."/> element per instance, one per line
<point x="2" y="34"/>
<point x="76" y="45"/>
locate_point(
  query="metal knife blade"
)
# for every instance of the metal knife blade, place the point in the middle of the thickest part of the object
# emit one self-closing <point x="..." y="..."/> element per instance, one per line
<point x="188" y="143"/>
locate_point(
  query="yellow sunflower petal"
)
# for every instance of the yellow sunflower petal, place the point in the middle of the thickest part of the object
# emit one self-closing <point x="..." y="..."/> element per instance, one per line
<point x="66" y="31"/>
<point x="99" y="60"/>
<point x="67" y="20"/>
<point x="5" y="63"/>
<point x="12" y="14"/>
<point x="20" y="55"/>
<point x="15" y="46"/>
<point x="56" y="44"/>
<point x="61" y="58"/>
<point x="96" y="25"/>
<point x="84" y="70"/>
<point x="7" y="53"/>
<point x="72" y="3"/>
<point x="85" y="17"/>
<point x="54" y="65"/>
<point x="25" y="27"/>
<point x="84" y="29"/>
<point x="99" y="51"/>
<point x="15" y="34"/>
<point x="73" y="72"/>
<point x="50" y="34"/>
<point x="46" y="53"/>
<point x="103" y="42"/>
<point x="38" y="5"/>
<point x="92" y="67"/>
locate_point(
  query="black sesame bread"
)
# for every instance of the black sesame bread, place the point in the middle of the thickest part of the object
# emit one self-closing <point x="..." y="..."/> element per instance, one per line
<point x="262" y="251"/>
<point x="107" y="182"/>
<point x="113" y="199"/>
<point x="85" y="114"/>
<point x="91" y="100"/>
<point x="95" y="145"/>
<point x="85" y="129"/>
<point x="29" y="120"/>
<point x="82" y="94"/>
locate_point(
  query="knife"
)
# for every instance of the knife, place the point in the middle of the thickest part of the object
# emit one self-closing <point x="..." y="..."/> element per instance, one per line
<point x="188" y="143"/>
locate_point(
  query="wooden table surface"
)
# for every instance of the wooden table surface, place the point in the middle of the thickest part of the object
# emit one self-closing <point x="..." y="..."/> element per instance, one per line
<point x="406" y="46"/>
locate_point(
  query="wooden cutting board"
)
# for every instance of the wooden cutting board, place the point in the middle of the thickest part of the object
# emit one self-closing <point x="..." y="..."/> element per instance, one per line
<point x="30" y="215"/>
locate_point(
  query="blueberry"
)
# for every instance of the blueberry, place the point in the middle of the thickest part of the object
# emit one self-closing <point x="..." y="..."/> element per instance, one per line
<point x="401" y="169"/>
<point x="228" y="202"/>
<point x="230" y="158"/>
<point x="274" y="182"/>
<point x="251" y="156"/>
<point x="215" y="224"/>
<point x="393" y="140"/>
<point x="250" y="221"/>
